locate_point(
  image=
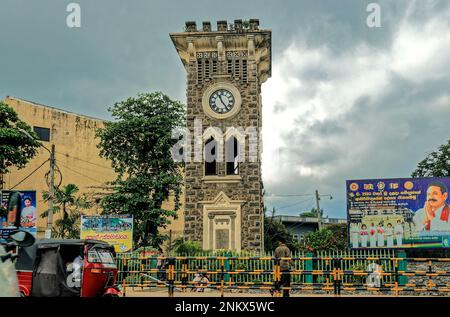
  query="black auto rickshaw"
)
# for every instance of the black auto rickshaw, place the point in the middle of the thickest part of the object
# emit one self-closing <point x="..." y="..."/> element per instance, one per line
<point x="67" y="268"/>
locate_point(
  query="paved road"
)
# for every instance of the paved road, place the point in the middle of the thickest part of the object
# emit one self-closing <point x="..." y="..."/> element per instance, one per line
<point x="147" y="292"/>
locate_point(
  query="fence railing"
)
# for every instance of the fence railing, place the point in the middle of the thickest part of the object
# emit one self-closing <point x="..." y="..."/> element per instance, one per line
<point x="332" y="272"/>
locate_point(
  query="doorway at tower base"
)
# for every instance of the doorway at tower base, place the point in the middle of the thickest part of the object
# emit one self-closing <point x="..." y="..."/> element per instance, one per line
<point x="222" y="223"/>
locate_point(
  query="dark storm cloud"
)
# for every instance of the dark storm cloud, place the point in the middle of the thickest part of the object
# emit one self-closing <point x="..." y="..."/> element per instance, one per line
<point x="123" y="48"/>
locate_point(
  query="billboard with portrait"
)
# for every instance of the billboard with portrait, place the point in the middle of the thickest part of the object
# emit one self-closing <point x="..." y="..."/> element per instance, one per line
<point x="398" y="213"/>
<point x="20" y="212"/>
<point x="117" y="230"/>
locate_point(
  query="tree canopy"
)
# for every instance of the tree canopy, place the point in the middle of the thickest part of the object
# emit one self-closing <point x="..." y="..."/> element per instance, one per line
<point x="312" y="213"/>
<point x="273" y="230"/>
<point x="435" y="164"/>
<point x="18" y="144"/>
<point x="331" y="238"/>
<point x="139" y="144"/>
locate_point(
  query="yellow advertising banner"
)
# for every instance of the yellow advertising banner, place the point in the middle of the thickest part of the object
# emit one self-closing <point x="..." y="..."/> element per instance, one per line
<point x="116" y="230"/>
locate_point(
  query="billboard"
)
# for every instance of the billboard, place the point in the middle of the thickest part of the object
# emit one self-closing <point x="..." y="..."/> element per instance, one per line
<point x="398" y="213"/>
<point x="21" y="212"/>
<point x="117" y="230"/>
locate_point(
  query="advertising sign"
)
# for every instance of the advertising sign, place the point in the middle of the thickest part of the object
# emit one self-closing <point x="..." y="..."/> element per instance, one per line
<point x="116" y="230"/>
<point x="398" y="213"/>
<point x="21" y="212"/>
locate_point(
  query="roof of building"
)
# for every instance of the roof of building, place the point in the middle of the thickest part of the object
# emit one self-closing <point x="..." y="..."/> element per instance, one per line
<point x="53" y="108"/>
<point x="296" y="219"/>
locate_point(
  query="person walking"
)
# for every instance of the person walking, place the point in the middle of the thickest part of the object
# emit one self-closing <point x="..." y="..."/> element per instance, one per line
<point x="282" y="251"/>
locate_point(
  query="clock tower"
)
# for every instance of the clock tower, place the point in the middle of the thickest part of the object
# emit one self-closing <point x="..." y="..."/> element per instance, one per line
<point x="223" y="207"/>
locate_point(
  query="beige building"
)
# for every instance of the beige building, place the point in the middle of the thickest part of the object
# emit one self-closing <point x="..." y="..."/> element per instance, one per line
<point x="77" y="156"/>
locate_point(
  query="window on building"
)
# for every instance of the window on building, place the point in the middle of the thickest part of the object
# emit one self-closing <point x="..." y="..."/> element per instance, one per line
<point x="43" y="134"/>
<point x="210" y="155"/>
<point x="232" y="156"/>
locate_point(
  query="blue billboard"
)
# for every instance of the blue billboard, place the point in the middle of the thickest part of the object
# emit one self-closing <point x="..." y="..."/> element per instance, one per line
<point x="398" y="213"/>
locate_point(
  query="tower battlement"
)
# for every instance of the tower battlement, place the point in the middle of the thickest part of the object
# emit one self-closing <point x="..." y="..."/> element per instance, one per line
<point x="239" y="25"/>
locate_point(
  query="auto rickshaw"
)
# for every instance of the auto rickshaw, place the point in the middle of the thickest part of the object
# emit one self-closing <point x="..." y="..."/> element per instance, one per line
<point x="67" y="268"/>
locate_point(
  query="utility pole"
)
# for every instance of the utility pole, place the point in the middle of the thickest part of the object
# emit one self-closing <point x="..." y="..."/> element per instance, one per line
<point x="319" y="213"/>
<point x="170" y="241"/>
<point x="48" y="231"/>
<point x="1" y="176"/>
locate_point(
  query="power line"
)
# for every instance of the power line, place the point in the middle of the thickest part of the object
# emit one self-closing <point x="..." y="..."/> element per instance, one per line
<point x="34" y="171"/>
<point x="79" y="159"/>
<point x="76" y="172"/>
<point x="293" y="195"/>
<point x="295" y="204"/>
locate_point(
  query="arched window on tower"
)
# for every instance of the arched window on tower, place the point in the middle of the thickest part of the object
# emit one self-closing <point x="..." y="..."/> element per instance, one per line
<point x="232" y="156"/>
<point x="210" y="154"/>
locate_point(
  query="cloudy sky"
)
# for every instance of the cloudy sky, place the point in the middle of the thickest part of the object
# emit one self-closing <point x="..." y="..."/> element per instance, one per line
<point x="345" y="101"/>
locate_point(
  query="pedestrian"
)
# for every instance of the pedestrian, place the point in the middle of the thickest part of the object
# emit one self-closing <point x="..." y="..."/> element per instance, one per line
<point x="200" y="280"/>
<point x="282" y="251"/>
<point x="161" y="266"/>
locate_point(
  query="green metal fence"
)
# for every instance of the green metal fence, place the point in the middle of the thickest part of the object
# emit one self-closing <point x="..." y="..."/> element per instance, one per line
<point x="245" y="268"/>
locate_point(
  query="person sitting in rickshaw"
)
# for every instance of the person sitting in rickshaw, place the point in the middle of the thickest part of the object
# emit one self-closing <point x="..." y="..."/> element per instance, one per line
<point x="76" y="267"/>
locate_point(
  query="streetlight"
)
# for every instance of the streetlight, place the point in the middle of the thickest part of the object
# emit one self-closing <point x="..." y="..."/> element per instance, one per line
<point x="319" y="212"/>
<point x="48" y="230"/>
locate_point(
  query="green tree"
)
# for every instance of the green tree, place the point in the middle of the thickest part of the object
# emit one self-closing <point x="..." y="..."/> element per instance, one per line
<point x="435" y="164"/>
<point x="273" y="230"/>
<point x="185" y="248"/>
<point x="69" y="205"/>
<point x="139" y="144"/>
<point x="339" y="231"/>
<point x="311" y="214"/>
<point x="16" y="147"/>
<point x="332" y="238"/>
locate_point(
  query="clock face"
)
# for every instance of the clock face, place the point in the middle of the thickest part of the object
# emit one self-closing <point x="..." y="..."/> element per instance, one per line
<point x="221" y="101"/>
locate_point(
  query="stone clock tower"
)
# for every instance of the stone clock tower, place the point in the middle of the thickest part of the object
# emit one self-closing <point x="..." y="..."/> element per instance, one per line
<point x="223" y="187"/>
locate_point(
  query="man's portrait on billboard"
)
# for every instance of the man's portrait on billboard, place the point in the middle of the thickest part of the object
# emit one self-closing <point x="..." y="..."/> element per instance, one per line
<point x="434" y="215"/>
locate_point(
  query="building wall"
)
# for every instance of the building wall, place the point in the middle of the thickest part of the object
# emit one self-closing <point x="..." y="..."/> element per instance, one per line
<point x="77" y="156"/>
<point x="301" y="229"/>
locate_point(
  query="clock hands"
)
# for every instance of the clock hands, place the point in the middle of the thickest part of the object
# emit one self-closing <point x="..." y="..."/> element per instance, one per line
<point x="220" y="97"/>
<point x="221" y="106"/>
<point x="217" y="103"/>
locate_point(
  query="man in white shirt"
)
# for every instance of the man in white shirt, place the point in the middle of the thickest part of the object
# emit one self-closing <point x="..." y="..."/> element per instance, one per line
<point x="434" y="216"/>
<point x="76" y="267"/>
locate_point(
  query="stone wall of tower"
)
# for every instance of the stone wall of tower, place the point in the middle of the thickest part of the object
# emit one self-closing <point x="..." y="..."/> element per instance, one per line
<point x="249" y="189"/>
